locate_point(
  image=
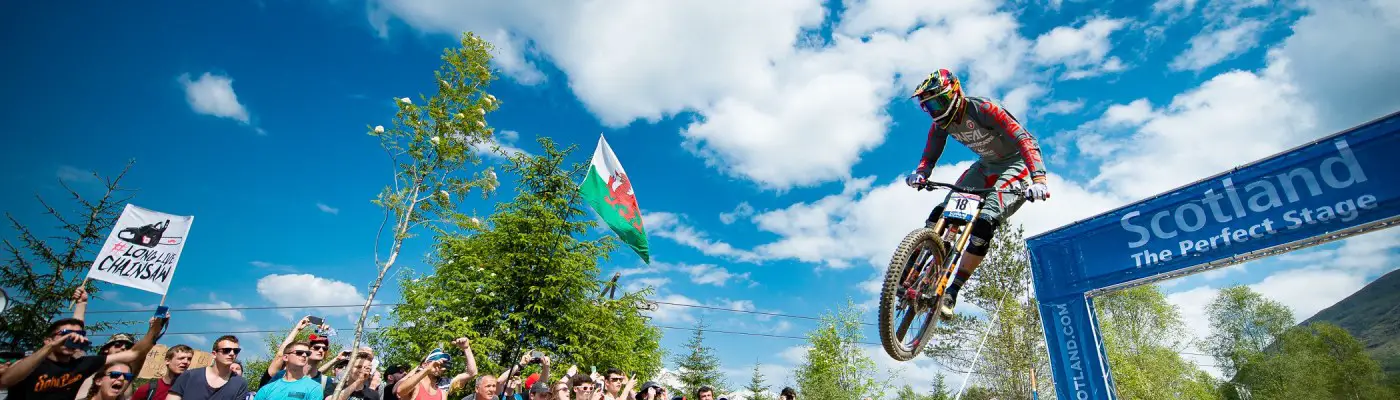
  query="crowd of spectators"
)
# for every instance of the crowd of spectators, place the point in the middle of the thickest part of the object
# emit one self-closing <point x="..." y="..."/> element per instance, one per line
<point x="66" y="367"/>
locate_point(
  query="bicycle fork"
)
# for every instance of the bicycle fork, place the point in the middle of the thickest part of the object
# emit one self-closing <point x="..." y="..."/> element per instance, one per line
<point x="953" y="262"/>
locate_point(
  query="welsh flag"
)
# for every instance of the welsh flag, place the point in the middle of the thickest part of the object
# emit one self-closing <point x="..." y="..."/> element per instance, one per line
<point x="609" y="192"/>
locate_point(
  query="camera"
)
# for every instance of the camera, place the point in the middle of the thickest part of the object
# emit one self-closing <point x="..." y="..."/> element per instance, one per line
<point x="536" y="357"/>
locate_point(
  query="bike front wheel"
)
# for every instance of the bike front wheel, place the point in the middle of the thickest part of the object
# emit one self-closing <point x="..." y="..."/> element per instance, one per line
<point x="901" y="303"/>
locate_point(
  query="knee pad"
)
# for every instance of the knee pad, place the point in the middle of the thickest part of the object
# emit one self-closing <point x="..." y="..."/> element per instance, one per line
<point x="981" y="240"/>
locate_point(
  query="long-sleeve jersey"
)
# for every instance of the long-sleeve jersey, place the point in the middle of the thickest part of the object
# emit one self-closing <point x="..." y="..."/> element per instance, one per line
<point x="988" y="130"/>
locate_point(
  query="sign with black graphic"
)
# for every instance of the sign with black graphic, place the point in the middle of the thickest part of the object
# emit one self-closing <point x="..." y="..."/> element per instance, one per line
<point x="142" y="249"/>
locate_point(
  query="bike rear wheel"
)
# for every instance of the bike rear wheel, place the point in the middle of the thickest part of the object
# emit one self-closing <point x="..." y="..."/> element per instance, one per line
<point x="900" y="306"/>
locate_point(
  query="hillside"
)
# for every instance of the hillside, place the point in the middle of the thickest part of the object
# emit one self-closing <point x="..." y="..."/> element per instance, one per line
<point x="1372" y="314"/>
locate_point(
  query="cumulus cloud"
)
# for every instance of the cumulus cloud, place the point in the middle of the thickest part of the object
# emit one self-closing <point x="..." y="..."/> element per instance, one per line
<point x="219" y="308"/>
<point x="1083" y="51"/>
<point x="769" y="105"/>
<point x="212" y="94"/>
<point x="305" y="290"/>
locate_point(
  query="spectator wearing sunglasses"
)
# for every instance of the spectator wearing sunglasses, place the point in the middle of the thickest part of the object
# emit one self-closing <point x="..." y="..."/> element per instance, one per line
<point x="117" y="343"/>
<point x="294" y="384"/>
<point x="319" y="346"/>
<point x="56" y="370"/>
<point x="215" y="382"/>
<point x="112" y="383"/>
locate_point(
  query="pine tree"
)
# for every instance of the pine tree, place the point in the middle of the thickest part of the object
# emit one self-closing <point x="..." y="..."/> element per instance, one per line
<point x="700" y="367"/>
<point x="757" y="387"/>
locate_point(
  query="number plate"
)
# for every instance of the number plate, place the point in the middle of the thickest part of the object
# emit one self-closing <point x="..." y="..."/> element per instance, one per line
<point x="961" y="205"/>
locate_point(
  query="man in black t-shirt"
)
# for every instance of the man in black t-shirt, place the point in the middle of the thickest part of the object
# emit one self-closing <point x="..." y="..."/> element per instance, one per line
<point x="55" y="371"/>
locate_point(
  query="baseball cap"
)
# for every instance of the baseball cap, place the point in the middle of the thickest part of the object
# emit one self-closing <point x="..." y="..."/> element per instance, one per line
<point x="530" y="381"/>
<point x="438" y="354"/>
<point x="318" y="339"/>
<point x="539" y="387"/>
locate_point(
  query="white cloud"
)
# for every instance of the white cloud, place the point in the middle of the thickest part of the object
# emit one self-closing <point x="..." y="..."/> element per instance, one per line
<point x="505" y="140"/>
<point x="707" y="274"/>
<point x="327" y="209"/>
<point x="671" y="313"/>
<point x="671" y="226"/>
<point x="195" y="341"/>
<point x="306" y="290"/>
<point x="1363" y="87"/>
<point x="222" y="309"/>
<point x="1060" y="107"/>
<point x="271" y="266"/>
<point x="69" y="173"/>
<point x="1081" y="50"/>
<point x="213" y="95"/>
<point x="743" y="210"/>
<point x="771" y="106"/>
<point x="1209" y="48"/>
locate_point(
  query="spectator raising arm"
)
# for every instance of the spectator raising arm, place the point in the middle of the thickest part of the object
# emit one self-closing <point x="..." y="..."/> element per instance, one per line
<point x="460" y="381"/>
<point x="409" y="383"/>
<point x="136" y="355"/>
<point x="80" y="301"/>
<point x="275" y="365"/>
<point x="22" y="368"/>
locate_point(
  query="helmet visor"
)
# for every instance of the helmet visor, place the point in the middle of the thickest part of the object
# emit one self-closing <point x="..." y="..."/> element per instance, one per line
<point x="935" y="104"/>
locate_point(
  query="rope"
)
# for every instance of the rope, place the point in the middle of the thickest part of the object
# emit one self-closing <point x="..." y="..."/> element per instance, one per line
<point x="978" y="355"/>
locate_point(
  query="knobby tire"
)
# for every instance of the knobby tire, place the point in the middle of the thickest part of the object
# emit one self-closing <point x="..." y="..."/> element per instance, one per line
<point x="889" y="295"/>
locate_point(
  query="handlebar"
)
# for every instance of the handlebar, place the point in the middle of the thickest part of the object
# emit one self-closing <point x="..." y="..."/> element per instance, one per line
<point x="931" y="185"/>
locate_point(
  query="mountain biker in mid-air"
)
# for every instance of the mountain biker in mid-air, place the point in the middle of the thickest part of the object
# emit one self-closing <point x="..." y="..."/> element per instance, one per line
<point x="1006" y="154"/>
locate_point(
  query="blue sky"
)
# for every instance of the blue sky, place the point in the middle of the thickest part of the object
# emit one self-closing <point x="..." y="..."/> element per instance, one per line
<point x="789" y="119"/>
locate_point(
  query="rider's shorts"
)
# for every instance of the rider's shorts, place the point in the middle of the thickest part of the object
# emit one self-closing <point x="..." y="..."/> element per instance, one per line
<point x="1002" y="174"/>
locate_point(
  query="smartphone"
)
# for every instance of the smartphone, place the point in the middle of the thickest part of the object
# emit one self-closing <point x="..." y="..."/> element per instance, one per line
<point x="314" y="320"/>
<point x="73" y="344"/>
<point x="537" y="355"/>
<point x="161" y="311"/>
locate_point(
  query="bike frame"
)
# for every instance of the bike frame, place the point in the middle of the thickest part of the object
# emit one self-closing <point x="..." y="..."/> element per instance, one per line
<point x="954" y="259"/>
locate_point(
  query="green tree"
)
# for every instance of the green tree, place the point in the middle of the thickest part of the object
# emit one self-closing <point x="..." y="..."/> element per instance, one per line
<point x="1012" y="346"/>
<point x="940" y="389"/>
<point x="1317" y="361"/>
<point x="1143" y="334"/>
<point x="524" y="280"/>
<point x="43" y="269"/>
<point x="758" y="388"/>
<point x="431" y="147"/>
<point x="699" y="366"/>
<point x="835" y="367"/>
<point x="1242" y="323"/>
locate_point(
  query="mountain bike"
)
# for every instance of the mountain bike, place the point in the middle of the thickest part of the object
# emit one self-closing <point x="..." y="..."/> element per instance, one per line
<point x="923" y="266"/>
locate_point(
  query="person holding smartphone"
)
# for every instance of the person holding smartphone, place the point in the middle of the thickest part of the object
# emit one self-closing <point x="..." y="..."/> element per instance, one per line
<point x="319" y="346"/>
<point x="56" y="370"/>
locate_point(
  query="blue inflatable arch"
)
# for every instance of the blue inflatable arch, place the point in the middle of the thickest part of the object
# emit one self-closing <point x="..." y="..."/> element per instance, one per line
<point x="1341" y="185"/>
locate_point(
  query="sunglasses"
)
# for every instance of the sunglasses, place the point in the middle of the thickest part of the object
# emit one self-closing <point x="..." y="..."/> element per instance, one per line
<point x="80" y="332"/>
<point x="318" y="347"/>
<point x="229" y="350"/>
<point x="583" y="388"/>
<point x="123" y="375"/>
<point x="299" y="353"/>
<point x="618" y="379"/>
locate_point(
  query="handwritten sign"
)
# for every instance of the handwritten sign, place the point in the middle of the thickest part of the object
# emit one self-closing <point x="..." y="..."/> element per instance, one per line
<point x="142" y="250"/>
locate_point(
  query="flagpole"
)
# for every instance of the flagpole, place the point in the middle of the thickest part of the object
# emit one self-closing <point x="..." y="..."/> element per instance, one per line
<point x="75" y="301"/>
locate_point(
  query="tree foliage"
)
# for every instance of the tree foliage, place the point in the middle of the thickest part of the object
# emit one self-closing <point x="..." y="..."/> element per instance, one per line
<point x="1144" y="334"/>
<point x="1317" y="361"/>
<point x="1242" y="323"/>
<point x="758" y="387"/>
<point x="431" y="146"/>
<point x="1012" y="348"/>
<point x="42" y="270"/>
<point x="699" y="366"/>
<point x="524" y="281"/>
<point x="835" y="366"/>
